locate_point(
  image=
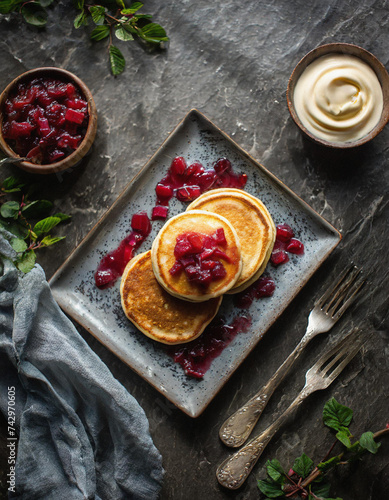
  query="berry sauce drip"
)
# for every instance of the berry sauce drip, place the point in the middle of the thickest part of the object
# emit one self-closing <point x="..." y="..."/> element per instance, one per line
<point x="45" y="119"/>
<point x="181" y="181"/>
<point x="198" y="256"/>
<point x="196" y="357"/>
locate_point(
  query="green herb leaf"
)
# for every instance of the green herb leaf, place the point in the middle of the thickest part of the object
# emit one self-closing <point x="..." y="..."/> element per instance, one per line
<point x="46" y="225"/>
<point x="275" y="471"/>
<point x="11" y="184"/>
<point x="100" y="32"/>
<point x="143" y="16"/>
<point x="37" y="208"/>
<point x="10" y="209"/>
<point x="18" y="244"/>
<point x="81" y="19"/>
<point x="336" y="415"/>
<point x="117" y="60"/>
<point x="27" y="261"/>
<point x="367" y="442"/>
<point x="122" y="34"/>
<point x="303" y="466"/>
<point x="50" y="240"/>
<point x="272" y="490"/>
<point x="132" y="8"/>
<point x="98" y="13"/>
<point x="33" y="13"/>
<point x="7" y="6"/>
<point x="15" y="227"/>
<point x="79" y="4"/>
<point x="63" y="217"/>
<point x="120" y="3"/>
<point x="343" y="435"/>
<point x="328" y="464"/>
<point x="153" y="33"/>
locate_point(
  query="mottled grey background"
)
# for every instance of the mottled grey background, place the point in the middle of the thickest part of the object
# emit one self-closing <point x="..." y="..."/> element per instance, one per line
<point x="232" y="61"/>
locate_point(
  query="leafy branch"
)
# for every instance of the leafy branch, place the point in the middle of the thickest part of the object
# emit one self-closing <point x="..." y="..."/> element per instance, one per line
<point x="308" y="482"/>
<point x="111" y="18"/>
<point x="22" y="220"/>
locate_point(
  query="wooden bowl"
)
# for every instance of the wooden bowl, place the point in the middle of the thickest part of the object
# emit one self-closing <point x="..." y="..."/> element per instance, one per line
<point x="349" y="49"/>
<point x="86" y="142"/>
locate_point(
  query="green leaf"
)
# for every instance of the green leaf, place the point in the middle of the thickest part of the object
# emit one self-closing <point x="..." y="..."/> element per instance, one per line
<point x="153" y="33"/>
<point x="328" y="464"/>
<point x="46" y="225"/>
<point x="63" y="217"/>
<point x="132" y="8"/>
<point x="272" y="490"/>
<point x="336" y="415"/>
<point x="81" y="19"/>
<point x="10" y="209"/>
<point x="34" y="13"/>
<point x="100" y="32"/>
<point x="7" y="6"/>
<point x="303" y="466"/>
<point x="122" y="34"/>
<point x="50" y="240"/>
<point x="367" y="442"/>
<point x="79" y="4"/>
<point x="18" y="244"/>
<point x="275" y="471"/>
<point x="15" y="227"/>
<point x="343" y="435"/>
<point x="98" y="13"/>
<point x="117" y="60"/>
<point x="27" y="261"/>
<point x="37" y="208"/>
<point x="11" y="184"/>
<point x="143" y="16"/>
<point x="120" y="3"/>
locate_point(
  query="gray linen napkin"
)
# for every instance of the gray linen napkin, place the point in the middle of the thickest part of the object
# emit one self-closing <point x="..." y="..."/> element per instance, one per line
<point x="81" y="434"/>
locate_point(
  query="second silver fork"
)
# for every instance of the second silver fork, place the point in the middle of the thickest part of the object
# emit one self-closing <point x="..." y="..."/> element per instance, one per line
<point x="326" y="312"/>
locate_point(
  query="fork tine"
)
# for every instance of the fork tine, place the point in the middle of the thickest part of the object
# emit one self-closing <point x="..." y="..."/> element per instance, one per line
<point x="344" y="350"/>
<point x="334" y="296"/>
<point x="322" y="300"/>
<point x="351" y="296"/>
<point x="336" y="350"/>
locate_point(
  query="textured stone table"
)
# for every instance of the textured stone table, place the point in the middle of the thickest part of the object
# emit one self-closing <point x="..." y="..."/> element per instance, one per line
<point x="232" y="62"/>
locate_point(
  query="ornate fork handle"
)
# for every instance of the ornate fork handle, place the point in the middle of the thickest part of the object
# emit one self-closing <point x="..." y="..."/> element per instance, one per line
<point x="239" y="425"/>
<point x="234" y="470"/>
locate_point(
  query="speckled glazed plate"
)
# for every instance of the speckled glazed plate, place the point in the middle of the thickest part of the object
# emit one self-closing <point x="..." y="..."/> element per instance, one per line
<point x="100" y="312"/>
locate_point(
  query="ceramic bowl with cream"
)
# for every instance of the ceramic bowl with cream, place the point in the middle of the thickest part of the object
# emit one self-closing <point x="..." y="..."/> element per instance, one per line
<point x="338" y="95"/>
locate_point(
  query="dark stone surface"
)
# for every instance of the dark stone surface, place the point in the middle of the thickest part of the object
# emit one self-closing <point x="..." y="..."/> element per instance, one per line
<point x="232" y="62"/>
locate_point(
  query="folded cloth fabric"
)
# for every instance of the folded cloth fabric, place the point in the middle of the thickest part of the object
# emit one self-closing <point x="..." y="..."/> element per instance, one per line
<point x="81" y="434"/>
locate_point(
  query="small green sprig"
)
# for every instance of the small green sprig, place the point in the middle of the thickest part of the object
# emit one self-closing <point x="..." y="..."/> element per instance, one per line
<point x="308" y="482"/>
<point x="22" y="219"/>
<point x="110" y="18"/>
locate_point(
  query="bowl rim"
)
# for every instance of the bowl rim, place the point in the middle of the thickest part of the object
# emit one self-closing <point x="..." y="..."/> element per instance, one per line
<point x="87" y="140"/>
<point x="348" y="49"/>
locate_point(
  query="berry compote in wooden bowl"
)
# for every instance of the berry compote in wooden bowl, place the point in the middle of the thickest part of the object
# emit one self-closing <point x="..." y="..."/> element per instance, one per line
<point x="48" y="116"/>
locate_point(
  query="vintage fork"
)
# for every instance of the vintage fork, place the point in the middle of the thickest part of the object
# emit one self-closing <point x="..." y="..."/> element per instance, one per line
<point x="326" y="312"/>
<point x="235" y="469"/>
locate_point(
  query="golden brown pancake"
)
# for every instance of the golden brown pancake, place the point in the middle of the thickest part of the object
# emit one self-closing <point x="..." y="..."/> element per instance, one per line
<point x="163" y="258"/>
<point x="157" y="313"/>
<point x="253" y="224"/>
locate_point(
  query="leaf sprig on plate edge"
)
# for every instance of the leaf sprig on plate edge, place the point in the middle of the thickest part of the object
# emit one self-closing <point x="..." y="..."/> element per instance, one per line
<point x="308" y="482"/>
<point x="109" y="17"/>
<point x="22" y="219"/>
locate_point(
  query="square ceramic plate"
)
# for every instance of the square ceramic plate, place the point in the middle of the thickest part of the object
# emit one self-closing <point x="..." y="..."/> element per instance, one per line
<point x="100" y="312"/>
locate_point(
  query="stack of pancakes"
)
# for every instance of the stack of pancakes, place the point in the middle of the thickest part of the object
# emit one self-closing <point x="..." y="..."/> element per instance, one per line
<point x="170" y="308"/>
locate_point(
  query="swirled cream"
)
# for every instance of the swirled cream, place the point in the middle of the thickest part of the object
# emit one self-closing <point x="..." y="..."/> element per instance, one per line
<point x="338" y="98"/>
